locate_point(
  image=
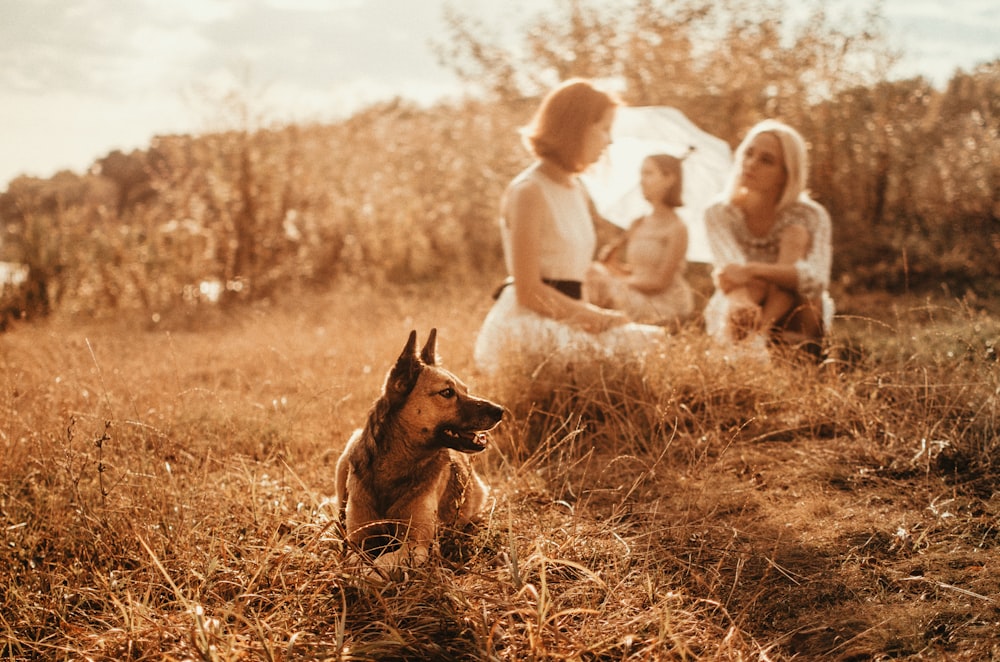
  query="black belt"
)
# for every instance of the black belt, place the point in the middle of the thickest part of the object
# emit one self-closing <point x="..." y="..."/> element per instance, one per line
<point x="571" y="288"/>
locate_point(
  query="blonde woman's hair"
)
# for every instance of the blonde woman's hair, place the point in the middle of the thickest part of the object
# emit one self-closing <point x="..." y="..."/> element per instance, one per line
<point x="794" y="154"/>
<point x="556" y="131"/>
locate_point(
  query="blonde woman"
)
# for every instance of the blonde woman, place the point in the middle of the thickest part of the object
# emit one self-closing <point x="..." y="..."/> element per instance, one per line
<point x="771" y="246"/>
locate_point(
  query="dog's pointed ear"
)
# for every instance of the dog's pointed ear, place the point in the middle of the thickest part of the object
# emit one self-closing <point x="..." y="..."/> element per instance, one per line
<point x="429" y="353"/>
<point x="404" y="374"/>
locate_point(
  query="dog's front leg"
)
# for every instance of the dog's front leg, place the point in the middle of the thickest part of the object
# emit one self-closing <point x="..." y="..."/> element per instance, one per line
<point x="417" y="534"/>
<point x="342" y="474"/>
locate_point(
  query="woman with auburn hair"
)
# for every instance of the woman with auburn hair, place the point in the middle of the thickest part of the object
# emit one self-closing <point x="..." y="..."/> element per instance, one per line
<point x="771" y="246"/>
<point x="549" y="240"/>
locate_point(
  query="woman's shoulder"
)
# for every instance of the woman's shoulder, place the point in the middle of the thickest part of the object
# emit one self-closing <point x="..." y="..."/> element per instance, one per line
<point x="525" y="183"/>
<point x="720" y="210"/>
<point x="527" y="177"/>
<point x="806" y="210"/>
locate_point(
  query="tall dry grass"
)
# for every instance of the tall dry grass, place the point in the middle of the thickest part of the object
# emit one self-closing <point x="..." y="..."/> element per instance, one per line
<point x="164" y="494"/>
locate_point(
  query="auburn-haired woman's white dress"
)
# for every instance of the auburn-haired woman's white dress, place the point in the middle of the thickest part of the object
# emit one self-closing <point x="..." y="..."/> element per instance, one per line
<point x="515" y="337"/>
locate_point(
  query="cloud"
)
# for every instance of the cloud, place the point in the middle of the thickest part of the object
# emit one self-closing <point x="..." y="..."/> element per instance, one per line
<point x="935" y="38"/>
<point x="82" y="77"/>
<point x="95" y="48"/>
<point x="42" y="137"/>
<point x="296" y="44"/>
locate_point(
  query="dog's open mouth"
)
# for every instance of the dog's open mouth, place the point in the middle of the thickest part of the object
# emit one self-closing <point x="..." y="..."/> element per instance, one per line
<point x="468" y="441"/>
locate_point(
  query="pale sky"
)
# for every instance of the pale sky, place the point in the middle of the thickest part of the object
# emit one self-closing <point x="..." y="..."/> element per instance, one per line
<point x="79" y="78"/>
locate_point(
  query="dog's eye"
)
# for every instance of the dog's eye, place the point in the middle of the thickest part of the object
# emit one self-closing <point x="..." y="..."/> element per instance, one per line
<point x="447" y="393"/>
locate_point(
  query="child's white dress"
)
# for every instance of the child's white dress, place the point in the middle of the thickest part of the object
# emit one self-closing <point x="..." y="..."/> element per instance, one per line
<point x="644" y="252"/>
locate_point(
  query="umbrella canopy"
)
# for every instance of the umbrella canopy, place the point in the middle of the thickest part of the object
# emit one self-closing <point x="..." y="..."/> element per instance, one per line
<point x="639" y="131"/>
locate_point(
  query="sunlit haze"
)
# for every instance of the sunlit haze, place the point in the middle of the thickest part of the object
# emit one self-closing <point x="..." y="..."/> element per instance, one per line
<point x="79" y="78"/>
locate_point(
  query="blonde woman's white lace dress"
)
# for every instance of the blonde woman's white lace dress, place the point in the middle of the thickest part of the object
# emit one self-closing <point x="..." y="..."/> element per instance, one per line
<point x="732" y="243"/>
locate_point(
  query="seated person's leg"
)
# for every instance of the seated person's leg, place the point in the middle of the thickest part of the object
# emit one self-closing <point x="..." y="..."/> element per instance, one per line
<point x="806" y="318"/>
<point x="777" y="305"/>
<point x="803" y="326"/>
<point x="745" y="309"/>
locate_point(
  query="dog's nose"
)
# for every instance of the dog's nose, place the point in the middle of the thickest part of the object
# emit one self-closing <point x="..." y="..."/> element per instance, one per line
<point x="495" y="410"/>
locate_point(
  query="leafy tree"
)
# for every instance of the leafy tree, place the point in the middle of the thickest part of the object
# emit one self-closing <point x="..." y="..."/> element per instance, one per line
<point x="726" y="63"/>
<point x="130" y="175"/>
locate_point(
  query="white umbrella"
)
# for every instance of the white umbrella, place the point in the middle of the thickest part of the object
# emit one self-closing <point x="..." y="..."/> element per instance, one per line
<point x="613" y="181"/>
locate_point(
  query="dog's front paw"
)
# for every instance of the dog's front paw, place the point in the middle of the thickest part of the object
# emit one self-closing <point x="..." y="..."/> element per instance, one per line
<point x="406" y="556"/>
<point x="394" y="566"/>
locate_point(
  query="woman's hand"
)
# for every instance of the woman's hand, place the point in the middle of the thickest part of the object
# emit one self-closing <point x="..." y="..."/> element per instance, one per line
<point x="732" y="276"/>
<point x="610" y="319"/>
<point x="598" y="320"/>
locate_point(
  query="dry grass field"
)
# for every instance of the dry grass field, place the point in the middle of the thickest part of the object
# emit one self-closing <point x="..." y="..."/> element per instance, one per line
<point x="166" y="464"/>
<point x="165" y="494"/>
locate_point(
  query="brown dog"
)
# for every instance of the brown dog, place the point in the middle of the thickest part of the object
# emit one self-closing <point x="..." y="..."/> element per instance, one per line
<point x="408" y="470"/>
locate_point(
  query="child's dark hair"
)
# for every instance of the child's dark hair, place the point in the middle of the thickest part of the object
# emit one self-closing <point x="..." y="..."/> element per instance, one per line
<point x="671" y="165"/>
